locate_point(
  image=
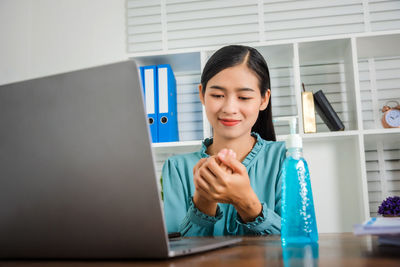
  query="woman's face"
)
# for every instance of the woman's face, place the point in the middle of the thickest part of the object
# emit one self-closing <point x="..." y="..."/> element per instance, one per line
<point x="233" y="100"/>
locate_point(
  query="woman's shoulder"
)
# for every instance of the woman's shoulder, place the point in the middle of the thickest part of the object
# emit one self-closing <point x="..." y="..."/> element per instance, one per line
<point x="275" y="145"/>
<point x="270" y="146"/>
<point x="180" y="165"/>
<point x="273" y="149"/>
<point x="263" y="150"/>
<point x="271" y="155"/>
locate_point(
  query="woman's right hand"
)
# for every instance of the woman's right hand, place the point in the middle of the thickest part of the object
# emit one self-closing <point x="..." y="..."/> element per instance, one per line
<point x="201" y="198"/>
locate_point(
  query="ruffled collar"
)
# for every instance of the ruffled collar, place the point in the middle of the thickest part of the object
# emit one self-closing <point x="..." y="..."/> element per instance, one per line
<point x="249" y="158"/>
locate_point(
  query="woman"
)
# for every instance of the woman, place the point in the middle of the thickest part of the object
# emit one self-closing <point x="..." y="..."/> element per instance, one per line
<point x="232" y="185"/>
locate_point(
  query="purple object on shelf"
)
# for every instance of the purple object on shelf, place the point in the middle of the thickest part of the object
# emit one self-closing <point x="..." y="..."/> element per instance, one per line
<point x="390" y="206"/>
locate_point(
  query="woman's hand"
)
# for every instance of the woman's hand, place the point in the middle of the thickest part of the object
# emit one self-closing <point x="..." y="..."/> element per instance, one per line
<point x="201" y="199"/>
<point x="224" y="179"/>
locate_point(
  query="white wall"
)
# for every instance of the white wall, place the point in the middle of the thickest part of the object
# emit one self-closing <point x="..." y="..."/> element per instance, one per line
<point x="43" y="37"/>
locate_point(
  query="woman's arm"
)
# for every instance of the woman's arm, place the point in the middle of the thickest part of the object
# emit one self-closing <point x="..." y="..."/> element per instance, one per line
<point x="181" y="214"/>
<point x="219" y="185"/>
<point x="235" y="188"/>
<point x="175" y="196"/>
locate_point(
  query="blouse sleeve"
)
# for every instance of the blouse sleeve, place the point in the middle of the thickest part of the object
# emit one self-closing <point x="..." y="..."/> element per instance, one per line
<point x="269" y="221"/>
<point x="181" y="215"/>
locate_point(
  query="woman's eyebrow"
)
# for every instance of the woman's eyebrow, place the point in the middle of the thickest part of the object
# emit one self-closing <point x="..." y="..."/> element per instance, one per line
<point x="245" y="89"/>
<point x="238" y="89"/>
<point x="217" y="87"/>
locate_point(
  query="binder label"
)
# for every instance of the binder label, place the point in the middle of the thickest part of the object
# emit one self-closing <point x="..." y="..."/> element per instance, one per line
<point x="163" y="90"/>
<point x="149" y="91"/>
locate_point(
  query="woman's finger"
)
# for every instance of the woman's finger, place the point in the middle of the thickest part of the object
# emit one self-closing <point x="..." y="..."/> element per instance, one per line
<point x="201" y="184"/>
<point x="206" y="174"/>
<point x="223" y="166"/>
<point x="214" y="168"/>
<point x="199" y="164"/>
<point x="230" y="160"/>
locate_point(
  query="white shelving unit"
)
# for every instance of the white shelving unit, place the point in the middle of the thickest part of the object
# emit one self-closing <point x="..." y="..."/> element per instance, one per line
<point x="358" y="70"/>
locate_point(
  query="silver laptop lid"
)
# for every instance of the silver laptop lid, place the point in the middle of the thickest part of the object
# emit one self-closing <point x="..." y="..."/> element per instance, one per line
<point x="77" y="177"/>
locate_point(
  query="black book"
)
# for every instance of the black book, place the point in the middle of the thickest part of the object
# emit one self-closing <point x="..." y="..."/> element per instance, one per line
<point x="327" y="113"/>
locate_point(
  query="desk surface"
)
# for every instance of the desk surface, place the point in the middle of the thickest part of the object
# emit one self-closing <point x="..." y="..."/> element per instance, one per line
<point x="332" y="250"/>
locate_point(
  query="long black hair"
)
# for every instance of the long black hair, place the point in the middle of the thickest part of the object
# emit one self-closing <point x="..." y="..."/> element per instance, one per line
<point x="233" y="55"/>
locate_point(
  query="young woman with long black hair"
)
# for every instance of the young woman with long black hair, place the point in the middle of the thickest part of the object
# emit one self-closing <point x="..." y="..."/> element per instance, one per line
<point x="231" y="186"/>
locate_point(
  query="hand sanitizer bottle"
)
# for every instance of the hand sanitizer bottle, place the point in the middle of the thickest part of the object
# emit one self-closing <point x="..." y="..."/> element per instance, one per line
<point x="298" y="222"/>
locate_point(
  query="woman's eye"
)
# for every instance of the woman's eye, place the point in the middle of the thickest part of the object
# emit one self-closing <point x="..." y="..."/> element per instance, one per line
<point x="217" y="96"/>
<point x="244" y="98"/>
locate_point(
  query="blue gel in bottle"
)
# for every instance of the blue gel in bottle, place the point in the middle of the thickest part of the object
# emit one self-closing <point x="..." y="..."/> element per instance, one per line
<point x="298" y="221"/>
<point x="298" y="216"/>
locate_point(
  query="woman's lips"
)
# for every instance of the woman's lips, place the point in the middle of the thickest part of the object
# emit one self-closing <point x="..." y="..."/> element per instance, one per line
<point x="229" y="122"/>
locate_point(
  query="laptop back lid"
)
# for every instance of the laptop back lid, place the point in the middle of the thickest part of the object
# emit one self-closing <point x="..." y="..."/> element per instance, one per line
<point x="77" y="176"/>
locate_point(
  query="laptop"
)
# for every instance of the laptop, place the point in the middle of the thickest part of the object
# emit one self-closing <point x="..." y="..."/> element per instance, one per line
<point x="77" y="173"/>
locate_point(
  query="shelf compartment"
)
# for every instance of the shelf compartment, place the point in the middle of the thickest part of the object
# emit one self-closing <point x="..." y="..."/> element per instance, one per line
<point x="382" y="159"/>
<point x="328" y="66"/>
<point x="187" y="69"/>
<point x="280" y="63"/>
<point x="379" y="72"/>
<point x="336" y="182"/>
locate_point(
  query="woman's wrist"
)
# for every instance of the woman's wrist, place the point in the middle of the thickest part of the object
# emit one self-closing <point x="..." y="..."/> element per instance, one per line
<point x="249" y="208"/>
<point x="204" y="205"/>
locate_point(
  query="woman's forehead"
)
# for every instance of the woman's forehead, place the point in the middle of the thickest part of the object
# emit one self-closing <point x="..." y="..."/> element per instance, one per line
<point x="237" y="77"/>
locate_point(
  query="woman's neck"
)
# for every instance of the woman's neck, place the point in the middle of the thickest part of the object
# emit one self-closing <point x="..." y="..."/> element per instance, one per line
<point x="241" y="145"/>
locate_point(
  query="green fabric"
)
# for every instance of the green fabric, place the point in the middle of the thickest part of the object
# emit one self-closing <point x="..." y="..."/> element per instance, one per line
<point x="263" y="164"/>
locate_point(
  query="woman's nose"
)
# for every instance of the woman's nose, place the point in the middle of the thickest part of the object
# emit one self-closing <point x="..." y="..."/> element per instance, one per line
<point x="230" y="106"/>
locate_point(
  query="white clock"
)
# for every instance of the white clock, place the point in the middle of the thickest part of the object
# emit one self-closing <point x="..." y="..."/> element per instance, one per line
<point x="391" y="116"/>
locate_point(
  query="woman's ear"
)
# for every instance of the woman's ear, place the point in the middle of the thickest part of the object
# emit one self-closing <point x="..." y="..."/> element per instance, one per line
<point x="201" y="96"/>
<point x="265" y="100"/>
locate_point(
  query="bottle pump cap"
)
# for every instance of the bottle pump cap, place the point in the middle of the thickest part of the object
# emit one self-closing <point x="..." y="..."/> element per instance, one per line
<point x="294" y="140"/>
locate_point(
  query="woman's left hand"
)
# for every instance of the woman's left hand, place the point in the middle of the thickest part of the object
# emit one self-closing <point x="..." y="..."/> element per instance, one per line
<point x="230" y="185"/>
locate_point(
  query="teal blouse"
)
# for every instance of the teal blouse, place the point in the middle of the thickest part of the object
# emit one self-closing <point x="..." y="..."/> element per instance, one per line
<point x="263" y="164"/>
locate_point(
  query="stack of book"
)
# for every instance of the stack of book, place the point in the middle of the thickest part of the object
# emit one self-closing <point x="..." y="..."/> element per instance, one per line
<point x="326" y="112"/>
<point x="386" y="228"/>
<point x="318" y="101"/>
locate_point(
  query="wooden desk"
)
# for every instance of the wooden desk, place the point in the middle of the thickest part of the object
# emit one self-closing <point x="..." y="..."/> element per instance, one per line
<point x="333" y="250"/>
